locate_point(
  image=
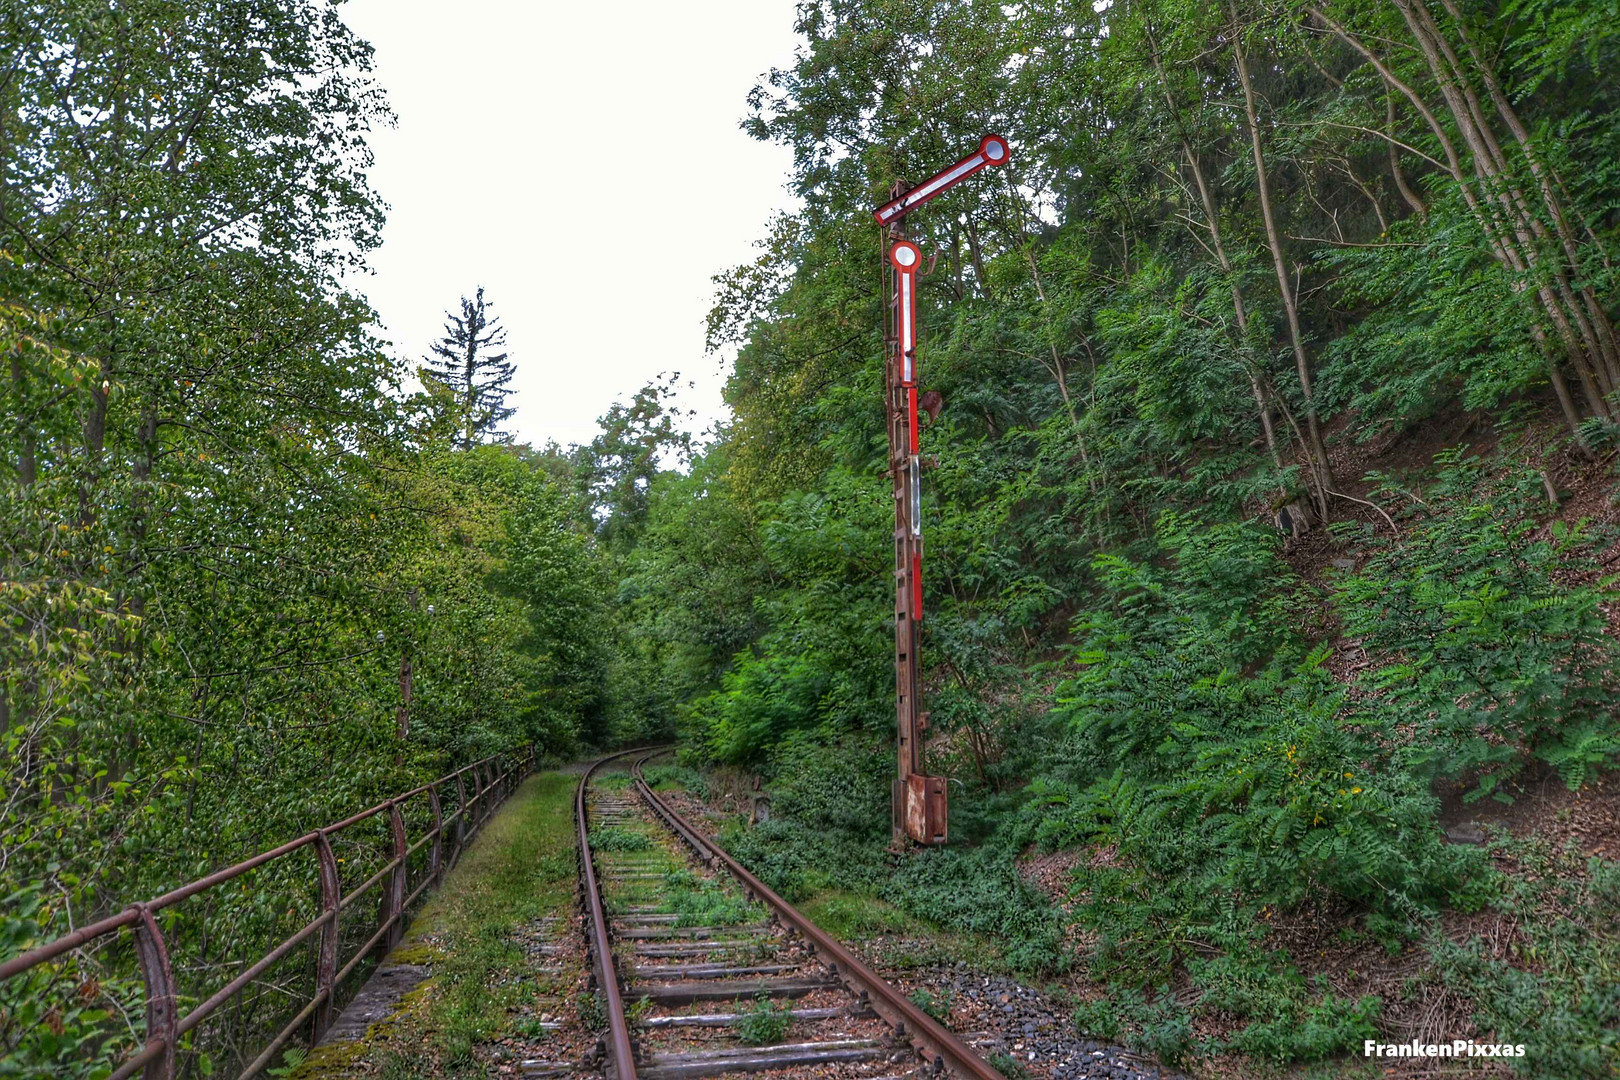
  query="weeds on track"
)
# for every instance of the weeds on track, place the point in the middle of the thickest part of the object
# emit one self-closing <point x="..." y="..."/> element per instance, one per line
<point x="520" y="869"/>
<point x="765" y="1023"/>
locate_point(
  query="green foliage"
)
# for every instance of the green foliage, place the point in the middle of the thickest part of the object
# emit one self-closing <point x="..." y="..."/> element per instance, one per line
<point x="701" y="901"/>
<point x="1098" y="1019"/>
<point x="936" y="1003"/>
<point x="1555" y="988"/>
<point x="821" y="667"/>
<point x="843" y="788"/>
<point x="1488" y="651"/>
<point x="1289" y="1021"/>
<point x="979" y="891"/>
<point x="228" y="533"/>
<point x="681" y="777"/>
<point x="590" y="1009"/>
<point x="764" y="1023"/>
<point x="612" y="838"/>
<point x="247" y="586"/>
<point x="1164" y="1029"/>
<point x="798" y="862"/>
<point x="1008" y="1066"/>
<point x="1221" y="769"/>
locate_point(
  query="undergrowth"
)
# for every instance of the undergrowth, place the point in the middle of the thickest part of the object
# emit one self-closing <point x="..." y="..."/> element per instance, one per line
<point x="1557" y="989"/>
<point x="612" y="838"/>
<point x="666" y="776"/>
<point x="764" y="1023"/>
<point x="1218" y="772"/>
<point x="699" y="901"/>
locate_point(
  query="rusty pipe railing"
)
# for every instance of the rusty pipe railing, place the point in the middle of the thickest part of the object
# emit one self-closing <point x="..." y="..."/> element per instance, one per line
<point x="491" y="779"/>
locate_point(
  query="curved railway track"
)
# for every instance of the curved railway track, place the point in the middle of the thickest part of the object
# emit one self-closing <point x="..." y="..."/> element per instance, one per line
<point x="721" y="975"/>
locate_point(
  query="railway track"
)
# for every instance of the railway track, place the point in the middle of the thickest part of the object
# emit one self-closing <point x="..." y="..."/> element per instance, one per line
<point x="701" y="970"/>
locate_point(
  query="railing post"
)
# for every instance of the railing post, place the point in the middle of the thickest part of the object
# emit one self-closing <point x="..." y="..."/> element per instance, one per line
<point x="483" y="792"/>
<point x="436" y="853"/>
<point x="161" y="1017"/>
<point x="326" y="963"/>
<point x="461" y="817"/>
<point x="394" y="904"/>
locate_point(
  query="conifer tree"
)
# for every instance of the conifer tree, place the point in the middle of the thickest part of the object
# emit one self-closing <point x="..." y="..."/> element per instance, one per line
<point x="465" y="364"/>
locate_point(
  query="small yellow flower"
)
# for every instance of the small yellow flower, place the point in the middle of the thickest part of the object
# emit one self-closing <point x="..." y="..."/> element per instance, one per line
<point x="1355" y="791"/>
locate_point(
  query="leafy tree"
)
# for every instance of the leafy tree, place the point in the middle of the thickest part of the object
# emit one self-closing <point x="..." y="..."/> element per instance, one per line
<point x="638" y="440"/>
<point x="232" y="550"/>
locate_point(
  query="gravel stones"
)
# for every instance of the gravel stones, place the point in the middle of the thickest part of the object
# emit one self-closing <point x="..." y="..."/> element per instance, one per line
<point x="998" y="1015"/>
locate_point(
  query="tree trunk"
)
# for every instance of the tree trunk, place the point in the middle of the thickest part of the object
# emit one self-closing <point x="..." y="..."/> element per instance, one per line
<point x="1502" y="245"/>
<point x="1206" y="196"/>
<point x="1395" y="170"/>
<point x="27" y="466"/>
<point x="1569" y="322"/>
<point x="1594" y="310"/>
<point x="976" y="253"/>
<point x="1316" y="449"/>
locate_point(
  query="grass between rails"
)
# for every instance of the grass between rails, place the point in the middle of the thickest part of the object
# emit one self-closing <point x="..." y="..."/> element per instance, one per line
<point x="520" y="869"/>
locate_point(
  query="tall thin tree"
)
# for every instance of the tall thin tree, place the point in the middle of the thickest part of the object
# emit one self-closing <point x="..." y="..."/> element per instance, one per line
<point x="464" y="361"/>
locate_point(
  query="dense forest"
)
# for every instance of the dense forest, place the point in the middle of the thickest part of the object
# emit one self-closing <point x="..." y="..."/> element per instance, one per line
<point x="1270" y="512"/>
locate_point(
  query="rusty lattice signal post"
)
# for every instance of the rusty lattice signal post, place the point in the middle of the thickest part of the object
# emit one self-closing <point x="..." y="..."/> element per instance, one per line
<point x="919" y="805"/>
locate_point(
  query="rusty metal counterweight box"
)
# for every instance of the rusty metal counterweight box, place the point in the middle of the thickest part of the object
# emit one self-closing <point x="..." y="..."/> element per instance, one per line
<point x="925" y="808"/>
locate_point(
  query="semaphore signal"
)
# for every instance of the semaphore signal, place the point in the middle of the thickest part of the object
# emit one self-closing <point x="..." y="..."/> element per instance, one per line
<point x="992" y="151"/>
<point x="919" y="806"/>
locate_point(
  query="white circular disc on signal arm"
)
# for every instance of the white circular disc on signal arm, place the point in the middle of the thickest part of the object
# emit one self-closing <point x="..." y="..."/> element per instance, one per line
<point x="994" y="149"/>
<point x="905" y="255"/>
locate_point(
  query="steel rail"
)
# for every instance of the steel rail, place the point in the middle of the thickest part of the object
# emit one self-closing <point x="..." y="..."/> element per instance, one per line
<point x="600" y="944"/>
<point x="493" y="778"/>
<point x="932" y="1039"/>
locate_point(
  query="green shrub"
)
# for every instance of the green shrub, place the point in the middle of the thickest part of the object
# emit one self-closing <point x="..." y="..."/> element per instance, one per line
<point x="662" y="777"/>
<point x="1164" y="1029"/>
<point x="764" y="1023"/>
<point x="840" y="788"/>
<point x="980" y="891"/>
<point x="936" y="1003"/>
<point x="1008" y="1066"/>
<point x="613" y="838"/>
<point x="1098" y="1019"/>
<point x="799" y="862"/>
<point x="1489" y="648"/>
<point x="1331" y="1027"/>
<point x="1223" y="768"/>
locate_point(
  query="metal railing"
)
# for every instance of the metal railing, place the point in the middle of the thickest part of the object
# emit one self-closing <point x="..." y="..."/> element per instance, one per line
<point x="490" y="781"/>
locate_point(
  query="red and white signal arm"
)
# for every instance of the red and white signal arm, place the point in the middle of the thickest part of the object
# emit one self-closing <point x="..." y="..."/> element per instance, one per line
<point x="992" y="151"/>
<point x="906" y="258"/>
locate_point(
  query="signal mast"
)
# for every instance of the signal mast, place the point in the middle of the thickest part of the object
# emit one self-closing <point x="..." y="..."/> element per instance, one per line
<point x="919" y="801"/>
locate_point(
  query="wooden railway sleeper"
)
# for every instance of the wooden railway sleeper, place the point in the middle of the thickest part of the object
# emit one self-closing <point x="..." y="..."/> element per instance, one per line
<point x="783" y="971"/>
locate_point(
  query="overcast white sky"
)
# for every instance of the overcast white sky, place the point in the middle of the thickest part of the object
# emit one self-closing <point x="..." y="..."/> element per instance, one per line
<point x="583" y="163"/>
